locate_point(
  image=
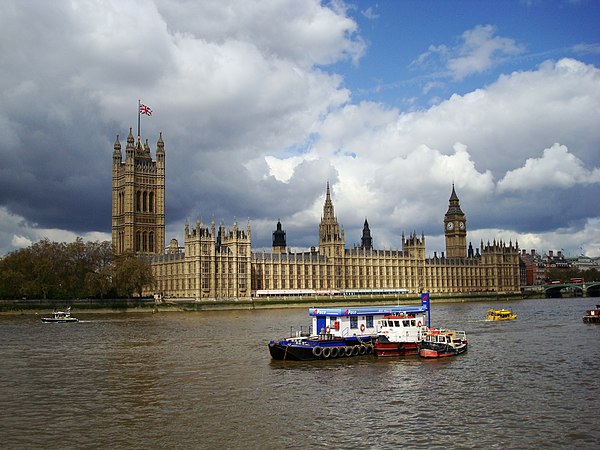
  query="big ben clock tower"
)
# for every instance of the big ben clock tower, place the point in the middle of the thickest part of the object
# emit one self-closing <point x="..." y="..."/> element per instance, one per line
<point x="455" y="229"/>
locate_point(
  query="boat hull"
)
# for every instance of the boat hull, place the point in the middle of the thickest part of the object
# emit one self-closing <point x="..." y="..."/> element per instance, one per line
<point x="591" y="319"/>
<point x="390" y="349"/>
<point x="426" y="350"/>
<point x="310" y="350"/>
<point x="52" y="320"/>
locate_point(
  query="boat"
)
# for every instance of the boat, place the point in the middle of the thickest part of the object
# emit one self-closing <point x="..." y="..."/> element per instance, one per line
<point x="341" y="332"/>
<point x="500" y="314"/>
<point x="442" y="343"/>
<point x="60" y="317"/>
<point x="322" y="346"/>
<point x="592" y="315"/>
<point x="399" y="334"/>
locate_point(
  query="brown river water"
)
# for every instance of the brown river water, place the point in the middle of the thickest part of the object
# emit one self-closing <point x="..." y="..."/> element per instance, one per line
<point x="205" y="380"/>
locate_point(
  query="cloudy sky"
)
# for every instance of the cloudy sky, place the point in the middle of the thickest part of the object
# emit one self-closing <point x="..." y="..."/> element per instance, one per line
<point x="261" y="103"/>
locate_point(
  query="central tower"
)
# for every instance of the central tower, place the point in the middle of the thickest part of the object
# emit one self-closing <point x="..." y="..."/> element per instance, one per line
<point x="138" y="198"/>
<point x="331" y="238"/>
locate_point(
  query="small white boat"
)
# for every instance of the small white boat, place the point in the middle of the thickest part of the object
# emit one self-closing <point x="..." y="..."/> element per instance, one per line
<point x="60" y="317"/>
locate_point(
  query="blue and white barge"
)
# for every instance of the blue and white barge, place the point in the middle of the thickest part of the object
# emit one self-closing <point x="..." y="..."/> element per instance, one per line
<point x="338" y="332"/>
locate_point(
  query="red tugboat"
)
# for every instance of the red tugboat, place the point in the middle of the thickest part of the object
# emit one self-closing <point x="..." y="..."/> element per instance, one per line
<point x="399" y="334"/>
<point x="442" y="343"/>
<point x="592" y="315"/>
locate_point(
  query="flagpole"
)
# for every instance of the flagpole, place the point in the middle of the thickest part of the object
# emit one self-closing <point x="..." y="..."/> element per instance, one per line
<point x="139" y="106"/>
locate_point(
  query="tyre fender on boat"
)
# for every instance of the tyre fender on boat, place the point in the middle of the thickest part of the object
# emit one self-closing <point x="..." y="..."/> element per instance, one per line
<point x="362" y="350"/>
<point x="335" y="352"/>
<point x="348" y="351"/>
<point x="355" y="350"/>
<point x="326" y="352"/>
<point x="317" y="351"/>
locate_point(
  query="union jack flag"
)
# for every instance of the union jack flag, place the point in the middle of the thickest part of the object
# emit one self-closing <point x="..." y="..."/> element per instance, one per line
<point x="145" y="110"/>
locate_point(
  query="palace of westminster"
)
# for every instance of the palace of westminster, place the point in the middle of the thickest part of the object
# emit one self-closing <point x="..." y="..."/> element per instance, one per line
<point x="218" y="262"/>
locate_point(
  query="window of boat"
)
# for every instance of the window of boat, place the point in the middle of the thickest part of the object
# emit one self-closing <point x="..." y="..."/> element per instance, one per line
<point x="353" y="322"/>
<point x="413" y="323"/>
<point x="396" y="323"/>
<point x="369" y="320"/>
<point x="406" y="323"/>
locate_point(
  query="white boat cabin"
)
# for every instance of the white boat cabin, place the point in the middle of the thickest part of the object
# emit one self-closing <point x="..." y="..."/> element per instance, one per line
<point x="403" y="327"/>
<point x="359" y="321"/>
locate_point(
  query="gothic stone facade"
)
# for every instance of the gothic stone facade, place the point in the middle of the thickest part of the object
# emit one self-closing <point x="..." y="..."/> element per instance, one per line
<point x="218" y="263"/>
<point x="138" y="198"/>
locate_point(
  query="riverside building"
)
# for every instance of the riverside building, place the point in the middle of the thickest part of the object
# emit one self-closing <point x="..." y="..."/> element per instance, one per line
<point x="217" y="263"/>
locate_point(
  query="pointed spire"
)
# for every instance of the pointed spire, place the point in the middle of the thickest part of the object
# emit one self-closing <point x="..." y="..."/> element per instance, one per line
<point x="117" y="145"/>
<point x="328" y="207"/>
<point x="454" y="203"/>
<point x="160" y="145"/>
<point x="453" y="196"/>
<point x="130" y="139"/>
<point x="117" y="155"/>
<point x="366" y="239"/>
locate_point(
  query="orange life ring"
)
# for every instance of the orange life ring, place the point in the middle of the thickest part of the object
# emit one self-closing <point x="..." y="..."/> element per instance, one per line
<point x="362" y="327"/>
<point x="327" y="330"/>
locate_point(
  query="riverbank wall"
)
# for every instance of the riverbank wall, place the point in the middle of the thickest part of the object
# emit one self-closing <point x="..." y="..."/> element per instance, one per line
<point x="150" y="305"/>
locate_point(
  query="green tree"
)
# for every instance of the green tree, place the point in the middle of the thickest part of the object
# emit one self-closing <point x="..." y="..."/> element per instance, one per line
<point x="98" y="280"/>
<point x="131" y="274"/>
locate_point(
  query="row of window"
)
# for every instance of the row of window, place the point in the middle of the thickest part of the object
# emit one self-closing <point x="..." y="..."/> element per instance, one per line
<point x="145" y="201"/>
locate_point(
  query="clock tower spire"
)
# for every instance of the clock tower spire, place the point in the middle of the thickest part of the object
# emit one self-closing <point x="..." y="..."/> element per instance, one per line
<point x="455" y="228"/>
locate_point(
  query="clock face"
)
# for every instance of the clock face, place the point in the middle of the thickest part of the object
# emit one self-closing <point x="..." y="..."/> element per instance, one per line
<point x="450" y="225"/>
<point x="461" y="225"/>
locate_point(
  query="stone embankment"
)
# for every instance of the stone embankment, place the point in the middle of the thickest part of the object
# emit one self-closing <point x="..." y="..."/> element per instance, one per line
<point x="149" y="305"/>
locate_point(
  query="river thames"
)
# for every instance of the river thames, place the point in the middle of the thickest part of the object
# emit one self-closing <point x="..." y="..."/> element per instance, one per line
<point x="205" y="380"/>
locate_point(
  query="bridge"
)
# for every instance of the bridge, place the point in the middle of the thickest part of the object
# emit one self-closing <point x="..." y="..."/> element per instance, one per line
<point x="587" y="289"/>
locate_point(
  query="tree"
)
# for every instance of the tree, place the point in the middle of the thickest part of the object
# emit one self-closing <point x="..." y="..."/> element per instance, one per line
<point x="131" y="274"/>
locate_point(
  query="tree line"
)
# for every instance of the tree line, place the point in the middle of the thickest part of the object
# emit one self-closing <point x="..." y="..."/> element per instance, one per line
<point x="565" y="274"/>
<point x="60" y="270"/>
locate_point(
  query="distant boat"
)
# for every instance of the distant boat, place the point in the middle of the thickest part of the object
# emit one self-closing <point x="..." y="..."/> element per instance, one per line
<point x="60" y="317"/>
<point x="592" y="315"/>
<point x="500" y="314"/>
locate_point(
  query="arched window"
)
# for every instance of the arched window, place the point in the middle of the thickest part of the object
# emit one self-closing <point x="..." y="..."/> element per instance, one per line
<point x="145" y="242"/>
<point x="138" y="241"/>
<point x="151" y="202"/>
<point x="145" y="201"/>
<point x="138" y="201"/>
<point x="151" y="242"/>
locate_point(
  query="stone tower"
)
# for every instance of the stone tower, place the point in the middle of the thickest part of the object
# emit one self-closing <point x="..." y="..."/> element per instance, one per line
<point x="455" y="229"/>
<point x="331" y="237"/>
<point x="366" y="239"/>
<point x="279" y="244"/>
<point x="138" y="198"/>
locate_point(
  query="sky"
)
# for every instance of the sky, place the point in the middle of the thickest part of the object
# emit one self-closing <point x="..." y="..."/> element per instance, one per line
<point x="262" y="103"/>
